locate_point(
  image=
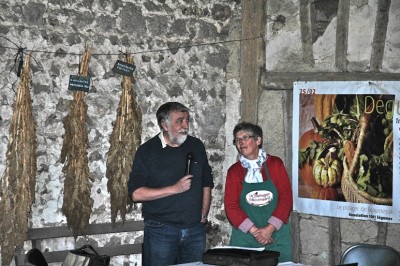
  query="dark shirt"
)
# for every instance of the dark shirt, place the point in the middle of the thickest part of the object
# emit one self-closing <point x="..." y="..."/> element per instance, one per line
<point x="157" y="167"/>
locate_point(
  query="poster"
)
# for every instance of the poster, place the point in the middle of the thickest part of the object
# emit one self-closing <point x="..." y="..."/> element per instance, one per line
<point x="346" y="149"/>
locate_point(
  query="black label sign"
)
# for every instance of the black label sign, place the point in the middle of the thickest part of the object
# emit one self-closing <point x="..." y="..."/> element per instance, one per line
<point x="79" y="83"/>
<point x="123" y="68"/>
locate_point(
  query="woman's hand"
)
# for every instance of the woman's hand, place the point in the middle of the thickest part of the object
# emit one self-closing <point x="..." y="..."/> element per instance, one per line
<point x="253" y="230"/>
<point x="264" y="235"/>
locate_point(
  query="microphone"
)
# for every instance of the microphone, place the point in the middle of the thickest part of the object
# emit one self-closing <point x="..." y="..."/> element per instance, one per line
<point x="189" y="159"/>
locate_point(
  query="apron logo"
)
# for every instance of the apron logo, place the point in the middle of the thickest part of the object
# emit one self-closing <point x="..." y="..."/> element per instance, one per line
<point x="259" y="197"/>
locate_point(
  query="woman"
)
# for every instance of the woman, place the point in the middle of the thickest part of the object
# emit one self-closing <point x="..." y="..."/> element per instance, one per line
<point x="258" y="196"/>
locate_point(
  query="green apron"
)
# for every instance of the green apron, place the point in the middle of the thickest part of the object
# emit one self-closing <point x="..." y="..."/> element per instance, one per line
<point x="259" y="215"/>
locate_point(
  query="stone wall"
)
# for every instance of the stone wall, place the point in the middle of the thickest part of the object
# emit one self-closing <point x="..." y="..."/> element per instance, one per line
<point x="183" y="52"/>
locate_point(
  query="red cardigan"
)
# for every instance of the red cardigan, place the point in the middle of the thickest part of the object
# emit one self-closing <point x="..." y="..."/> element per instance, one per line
<point x="233" y="188"/>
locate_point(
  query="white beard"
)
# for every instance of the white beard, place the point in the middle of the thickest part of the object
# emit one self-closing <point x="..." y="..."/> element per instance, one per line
<point x="178" y="139"/>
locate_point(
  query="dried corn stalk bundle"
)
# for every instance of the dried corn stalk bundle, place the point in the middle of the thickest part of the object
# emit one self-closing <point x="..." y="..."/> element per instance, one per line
<point x="77" y="205"/>
<point x="18" y="188"/>
<point x="124" y="141"/>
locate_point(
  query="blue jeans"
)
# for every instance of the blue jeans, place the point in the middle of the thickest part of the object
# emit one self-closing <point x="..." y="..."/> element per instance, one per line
<point x="168" y="245"/>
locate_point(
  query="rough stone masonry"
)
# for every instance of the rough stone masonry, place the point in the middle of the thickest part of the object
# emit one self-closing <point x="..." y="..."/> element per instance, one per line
<point x="181" y="53"/>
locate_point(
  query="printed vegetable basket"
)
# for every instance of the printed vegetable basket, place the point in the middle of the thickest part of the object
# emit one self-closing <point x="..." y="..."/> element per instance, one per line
<point x="349" y="187"/>
<point x="353" y="194"/>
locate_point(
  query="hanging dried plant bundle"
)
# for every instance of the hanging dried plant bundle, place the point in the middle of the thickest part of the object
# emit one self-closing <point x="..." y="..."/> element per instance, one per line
<point x="124" y="141"/>
<point x="77" y="205"/>
<point x="19" y="178"/>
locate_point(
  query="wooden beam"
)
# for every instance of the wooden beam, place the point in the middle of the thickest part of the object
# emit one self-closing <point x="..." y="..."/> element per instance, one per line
<point x="252" y="57"/>
<point x="306" y="32"/>
<point x="342" y="32"/>
<point x="284" y="80"/>
<point x="93" y="229"/>
<point x="112" y="251"/>
<point x="36" y="235"/>
<point x="378" y="44"/>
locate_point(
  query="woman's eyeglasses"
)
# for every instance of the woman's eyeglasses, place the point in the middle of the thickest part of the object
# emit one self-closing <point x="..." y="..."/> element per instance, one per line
<point x="244" y="138"/>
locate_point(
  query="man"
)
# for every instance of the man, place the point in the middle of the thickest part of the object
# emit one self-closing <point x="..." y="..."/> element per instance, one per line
<point x="175" y="202"/>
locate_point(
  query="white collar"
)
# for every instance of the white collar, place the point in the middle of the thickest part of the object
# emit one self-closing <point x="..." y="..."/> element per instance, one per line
<point x="163" y="142"/>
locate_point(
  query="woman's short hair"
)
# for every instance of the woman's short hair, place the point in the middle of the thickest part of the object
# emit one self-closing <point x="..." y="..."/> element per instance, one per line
<point x="253" y="129"/>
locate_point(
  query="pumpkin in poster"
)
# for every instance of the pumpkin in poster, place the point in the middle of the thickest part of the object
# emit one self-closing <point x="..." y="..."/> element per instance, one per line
<point x="359" y="129"/>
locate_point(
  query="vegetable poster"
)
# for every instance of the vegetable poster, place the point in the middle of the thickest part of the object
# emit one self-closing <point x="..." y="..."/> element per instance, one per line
<point x="346" y="149"/>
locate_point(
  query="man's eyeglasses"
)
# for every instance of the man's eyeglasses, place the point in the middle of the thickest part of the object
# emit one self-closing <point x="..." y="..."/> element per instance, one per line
<point x="244" y="138"/>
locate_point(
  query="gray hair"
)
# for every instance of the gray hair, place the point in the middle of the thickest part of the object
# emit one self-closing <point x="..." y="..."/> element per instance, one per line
<point x="164" y="111"/>
<point x="253" y="129"/>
